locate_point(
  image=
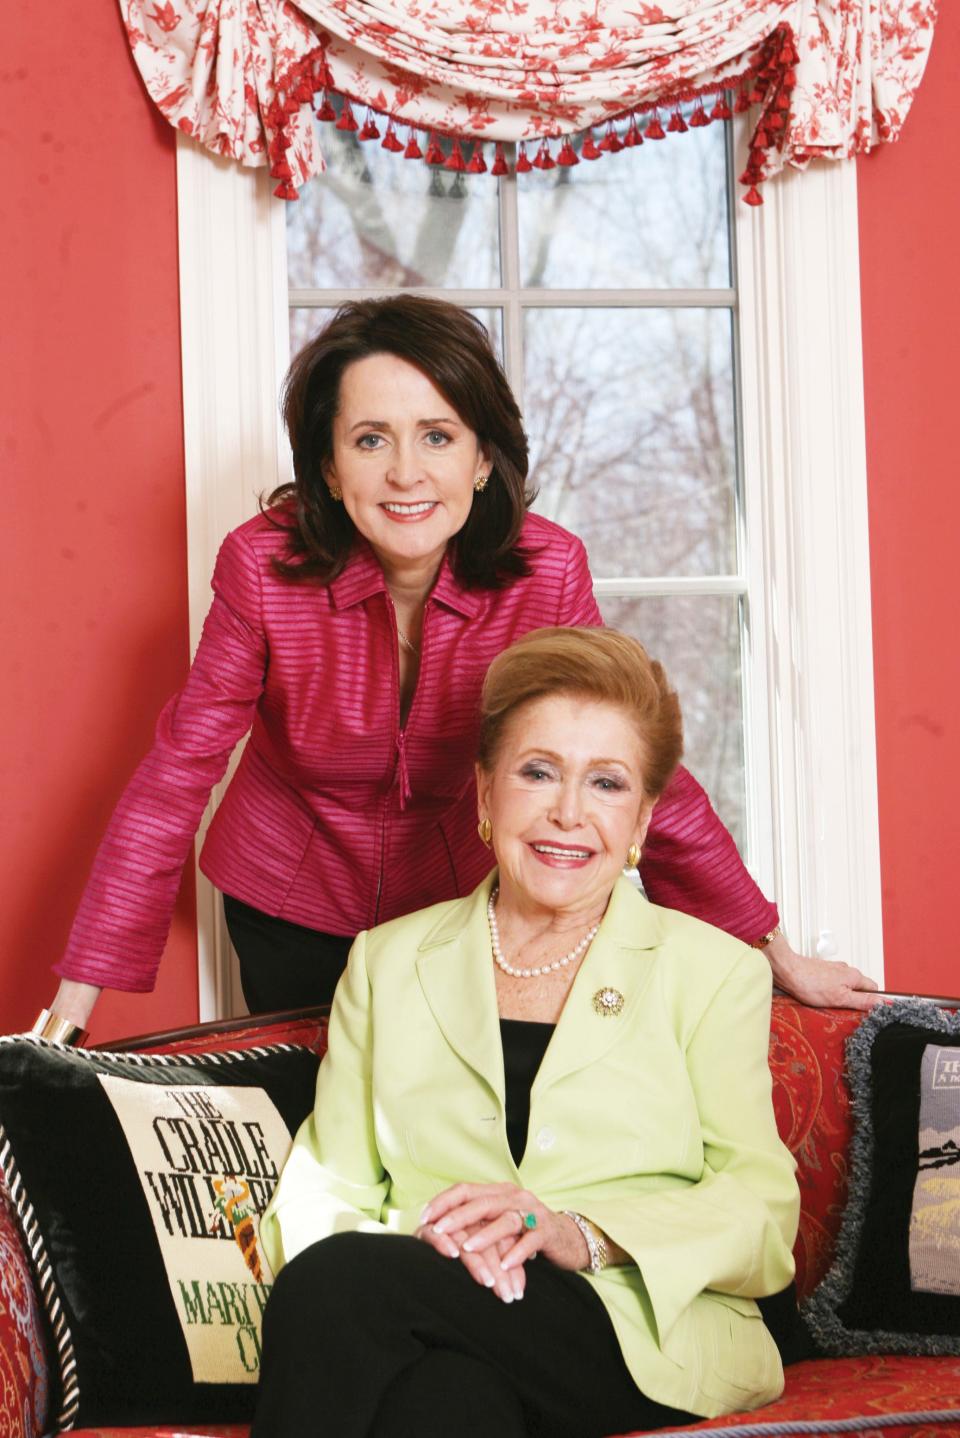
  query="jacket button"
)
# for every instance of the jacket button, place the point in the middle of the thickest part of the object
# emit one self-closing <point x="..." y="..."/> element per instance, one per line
<point x="546" y="1138"/>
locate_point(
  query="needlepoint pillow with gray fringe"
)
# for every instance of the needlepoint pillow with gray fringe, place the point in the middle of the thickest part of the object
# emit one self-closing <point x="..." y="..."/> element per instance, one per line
<point x="894" y="1286"/>
<point x="139" y="1181"/>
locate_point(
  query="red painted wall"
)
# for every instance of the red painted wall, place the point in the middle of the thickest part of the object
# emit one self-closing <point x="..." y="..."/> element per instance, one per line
<point x="94" y="584"/>
<point x="910" y="285"/>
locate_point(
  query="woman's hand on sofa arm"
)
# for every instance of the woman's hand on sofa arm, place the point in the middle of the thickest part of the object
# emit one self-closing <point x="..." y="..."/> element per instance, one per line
<point x="821" y="983"/>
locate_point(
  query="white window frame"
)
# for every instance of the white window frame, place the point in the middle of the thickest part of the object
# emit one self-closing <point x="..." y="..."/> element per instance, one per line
<point x="812" y="810"/>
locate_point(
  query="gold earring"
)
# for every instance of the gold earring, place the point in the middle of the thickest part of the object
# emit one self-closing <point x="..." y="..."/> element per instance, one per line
<point x="485" y="830"/>
<point x="336" y="493"/>
<point x="633" y="856"/>
<point x="480" y="483"/>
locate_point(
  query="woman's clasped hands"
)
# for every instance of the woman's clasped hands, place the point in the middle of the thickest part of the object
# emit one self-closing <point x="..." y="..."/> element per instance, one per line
<point x="495" y="1228"/>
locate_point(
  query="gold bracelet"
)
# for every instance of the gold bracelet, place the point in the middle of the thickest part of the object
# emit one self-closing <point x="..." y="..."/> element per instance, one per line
<point x="49" y="1025"/>
<point x="767" y="938"/>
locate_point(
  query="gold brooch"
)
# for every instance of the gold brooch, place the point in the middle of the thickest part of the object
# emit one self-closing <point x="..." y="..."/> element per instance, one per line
<point x="608" y="1002"/>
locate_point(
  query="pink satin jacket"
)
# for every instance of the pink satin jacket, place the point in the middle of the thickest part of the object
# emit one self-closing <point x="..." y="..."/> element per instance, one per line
<point x="337" y="818"/>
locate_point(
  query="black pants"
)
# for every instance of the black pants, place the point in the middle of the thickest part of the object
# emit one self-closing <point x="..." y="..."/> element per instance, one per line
<point x="379" y="1336"/>
<point x="283" y="965"/>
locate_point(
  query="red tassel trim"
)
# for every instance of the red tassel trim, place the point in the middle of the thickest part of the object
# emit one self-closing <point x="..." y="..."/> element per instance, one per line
<point x="753" y="196"/>
<point x="588" y="150"/>
<point x="413" y="150"/>
<point x="543" y="160"/>
<point x="286" y="191"/>
<point x="677" y="125"/>
<point x="477" y="164"/>
<point x="326" y="110"/>
<point x="281" y="171"/>
<point x="369" y="131"/>
<point x="655" y="130"/>
<point x="633" y="136"/>
<point x="347" y="120"/>
<point x="455" y="160"/>
<point x="523" y="164"/>
<point x="499" y="166"/>
<point x="390" y="141"/>
<point x="434" y="155"/>
<point x="721" y="110"/>
<point x="568" y="155"/>
<point x="611" y="144"/>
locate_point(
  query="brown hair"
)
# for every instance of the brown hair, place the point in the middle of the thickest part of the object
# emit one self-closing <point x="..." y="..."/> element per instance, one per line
<point x="453" y="349"/>
<point x="598" y="664"/>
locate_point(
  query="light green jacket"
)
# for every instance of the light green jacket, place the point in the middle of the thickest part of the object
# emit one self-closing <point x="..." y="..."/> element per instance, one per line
<point x="656" y="1123"/>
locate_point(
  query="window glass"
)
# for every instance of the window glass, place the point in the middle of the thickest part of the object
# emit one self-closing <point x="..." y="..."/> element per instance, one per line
<point x="630" y="413"/>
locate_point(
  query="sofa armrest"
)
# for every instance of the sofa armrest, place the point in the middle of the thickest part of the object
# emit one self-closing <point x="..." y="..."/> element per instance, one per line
<point x="24" y="1370"/>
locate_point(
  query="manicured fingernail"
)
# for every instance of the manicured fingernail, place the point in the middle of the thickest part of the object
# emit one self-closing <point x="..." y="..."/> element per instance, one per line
<point x="452" y="1249"/>
<point x="440" y="1227"/>
<point x="425" y="1215"/>
<point x="468" y="1246"/>
<point x="489" y="1280"/>
<point x="508" y="1298"/>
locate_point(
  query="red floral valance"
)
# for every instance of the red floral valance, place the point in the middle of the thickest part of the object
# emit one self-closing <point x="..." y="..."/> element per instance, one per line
<point x="448" y="81"/>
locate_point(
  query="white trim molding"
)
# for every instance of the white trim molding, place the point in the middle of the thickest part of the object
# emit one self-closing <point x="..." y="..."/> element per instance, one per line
<point x="804" y="582"/>
<point x="235" y="349"/>
<point x="804" y="454"/>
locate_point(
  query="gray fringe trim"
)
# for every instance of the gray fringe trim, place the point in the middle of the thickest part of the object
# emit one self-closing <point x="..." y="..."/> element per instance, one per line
<point x="875" y="1424"/>
<point x="27" y="1218"/>
<point x="819" y="1311"/>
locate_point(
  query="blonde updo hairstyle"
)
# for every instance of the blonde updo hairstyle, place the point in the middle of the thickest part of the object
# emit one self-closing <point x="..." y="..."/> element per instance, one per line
<point x="601" y="665"/>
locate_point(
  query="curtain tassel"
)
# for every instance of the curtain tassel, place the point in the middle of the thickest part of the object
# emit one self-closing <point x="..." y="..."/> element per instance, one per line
<point x="369" y="131"/>
<point x="286" y="191"/>
<point x="655" y="130"/>
<point x="753" y="196"/>
<point x="281" y="170"/>
<point x="677" y="125"/>
<point x="633" y="136"/>
<point x="611" y="143"/>
<point x="543" y="160"/>
<point x="523" y="165"/>
<point x="347" y="120"/>
<point x="588" y="150"/>
<point x="721" y="110"/>
<point x="455" y="160"/>
<point x="477" y="165"/>
<point x="326" y="110"/>
<point x="434" y="155"/>
<point x="413" y="150"/>
<point x="390" y="141"/>
<point x="499" y="166"/>
<point x="699" y="118"/>
<point x="567" y="155"/>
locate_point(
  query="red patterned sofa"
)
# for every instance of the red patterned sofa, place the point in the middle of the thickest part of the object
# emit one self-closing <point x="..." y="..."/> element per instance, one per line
<point x="872" y="1396"/>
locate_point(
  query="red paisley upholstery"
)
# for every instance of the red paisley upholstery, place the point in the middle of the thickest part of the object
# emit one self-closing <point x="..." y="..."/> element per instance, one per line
<point x="812" y="1105"/>
<point x="813" y="1115"/>
<point x="828" y="1389"/>
<point x="24" y="1382"/>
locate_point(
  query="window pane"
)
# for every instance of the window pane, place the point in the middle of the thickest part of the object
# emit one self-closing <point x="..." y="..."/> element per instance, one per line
<point x="375" y="219"/>
<point x="307" y="320"/>
<point x="631" y="420"/>
<point x="656" y="217"/>
<point x="697" y="639"/>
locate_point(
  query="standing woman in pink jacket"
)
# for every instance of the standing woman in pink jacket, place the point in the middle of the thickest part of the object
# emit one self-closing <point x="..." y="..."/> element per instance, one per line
<point x="351" y="627"/>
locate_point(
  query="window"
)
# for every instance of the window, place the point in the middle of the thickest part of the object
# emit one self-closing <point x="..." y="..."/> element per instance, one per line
<point x="621" y="350"/>
<point x="789" y="558"/>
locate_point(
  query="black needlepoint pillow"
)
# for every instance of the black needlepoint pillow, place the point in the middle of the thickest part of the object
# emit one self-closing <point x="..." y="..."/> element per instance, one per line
<point x="894" y="1286"/>
<point x="139" y="1181"/>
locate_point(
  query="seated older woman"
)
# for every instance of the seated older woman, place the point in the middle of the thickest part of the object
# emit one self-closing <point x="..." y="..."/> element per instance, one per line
<point x="551" y="1068"/>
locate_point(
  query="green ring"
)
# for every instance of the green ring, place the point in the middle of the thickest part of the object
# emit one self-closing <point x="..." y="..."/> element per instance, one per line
<point x="529" y="1220"/>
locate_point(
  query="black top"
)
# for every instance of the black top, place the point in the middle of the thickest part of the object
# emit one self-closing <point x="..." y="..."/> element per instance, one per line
<point x="524" y="1045"/>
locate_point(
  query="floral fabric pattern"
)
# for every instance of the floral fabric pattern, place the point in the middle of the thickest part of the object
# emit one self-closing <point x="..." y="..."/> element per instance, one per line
<point x="829" y="78"/>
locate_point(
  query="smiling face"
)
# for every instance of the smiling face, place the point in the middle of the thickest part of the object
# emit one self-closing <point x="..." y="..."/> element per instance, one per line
<point x="405" y="462"/>
<point x="565" y="799"/>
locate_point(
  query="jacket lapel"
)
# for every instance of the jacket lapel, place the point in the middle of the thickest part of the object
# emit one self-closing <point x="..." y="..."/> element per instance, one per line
<point x="621" y="958"/>
<point x="456" y="975"/>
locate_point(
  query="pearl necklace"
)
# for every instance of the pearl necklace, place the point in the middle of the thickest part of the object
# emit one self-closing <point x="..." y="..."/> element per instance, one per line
<point x="501" y="962"/>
